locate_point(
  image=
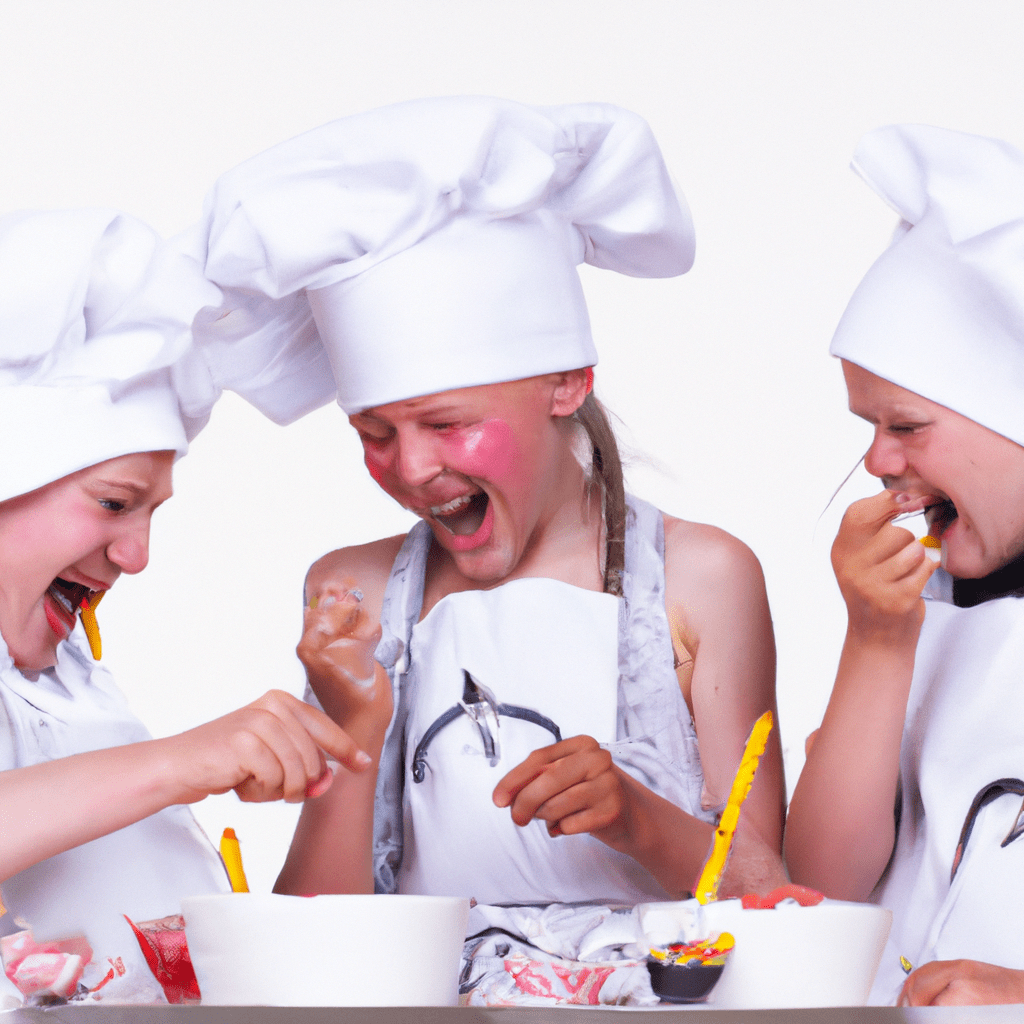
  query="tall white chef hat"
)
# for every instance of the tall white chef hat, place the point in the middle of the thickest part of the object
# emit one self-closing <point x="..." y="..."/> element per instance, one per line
<point x="95" y="317"/>
<point x="941" y="312"/>
<point x="435" y="242"/>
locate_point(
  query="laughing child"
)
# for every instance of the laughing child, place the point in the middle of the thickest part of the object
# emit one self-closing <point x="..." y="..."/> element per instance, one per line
<point x="928" y="702"/>
<point x="93" y="328"/>
<point x="564" y="675"/>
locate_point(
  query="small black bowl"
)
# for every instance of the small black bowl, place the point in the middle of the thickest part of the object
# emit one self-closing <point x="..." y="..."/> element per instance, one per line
<point x="682" y="983"/>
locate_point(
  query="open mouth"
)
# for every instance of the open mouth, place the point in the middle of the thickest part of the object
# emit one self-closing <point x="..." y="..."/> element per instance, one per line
<point x="461" y="516"/>
<point x="65" y="600"/>
<point x="940" y="516"/>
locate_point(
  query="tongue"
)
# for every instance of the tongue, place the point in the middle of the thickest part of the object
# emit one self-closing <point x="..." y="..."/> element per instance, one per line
<point x="467" y="521"/>
<point x="939" y="517"/>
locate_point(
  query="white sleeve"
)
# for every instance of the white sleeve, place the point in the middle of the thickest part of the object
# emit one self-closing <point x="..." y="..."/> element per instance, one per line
<point x="6" y="738"/>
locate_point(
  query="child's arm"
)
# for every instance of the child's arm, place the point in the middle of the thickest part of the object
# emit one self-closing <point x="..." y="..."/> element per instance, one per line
<point x="331" y="851"/>
<point x="575" y="786"/>
<point x="718" y="606"/>
<point x="270" y="750"/>
<point x="841" y="827"/>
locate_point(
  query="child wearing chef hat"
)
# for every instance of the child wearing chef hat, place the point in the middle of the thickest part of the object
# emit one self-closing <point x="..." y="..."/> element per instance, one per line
<point x="100" y="391"/>
<point x="570" y="673"/>
<point x="926" y="711"/>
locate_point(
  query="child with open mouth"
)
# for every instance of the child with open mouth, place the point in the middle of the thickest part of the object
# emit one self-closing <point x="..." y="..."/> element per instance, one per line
<point x="564" y="676"/>
<point x="925" y="715"/>
<point x="94" y="329"/>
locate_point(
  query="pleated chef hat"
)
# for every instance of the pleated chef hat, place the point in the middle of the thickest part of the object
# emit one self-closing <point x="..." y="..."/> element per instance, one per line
<point x="433" y="244"/>
<point x="941" y="312"/>
<point x="95" y="318"/>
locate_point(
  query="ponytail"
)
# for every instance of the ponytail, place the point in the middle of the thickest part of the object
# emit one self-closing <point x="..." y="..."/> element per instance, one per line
<point x="608" y="471"/>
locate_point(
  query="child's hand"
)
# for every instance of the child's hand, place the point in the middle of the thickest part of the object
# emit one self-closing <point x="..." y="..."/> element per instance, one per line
<point x="337" y="649"/>
<point x="881" y="568"/>
<point x="272" y="749"/>
<point x="962" y="983"/>
<point x="574" y="786"/>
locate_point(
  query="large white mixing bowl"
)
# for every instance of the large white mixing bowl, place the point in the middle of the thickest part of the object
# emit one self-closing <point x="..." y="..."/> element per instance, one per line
<point x="253" y="949"/>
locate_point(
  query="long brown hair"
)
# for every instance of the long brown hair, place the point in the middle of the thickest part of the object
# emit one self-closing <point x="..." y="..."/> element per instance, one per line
<point x="608" y="472"/>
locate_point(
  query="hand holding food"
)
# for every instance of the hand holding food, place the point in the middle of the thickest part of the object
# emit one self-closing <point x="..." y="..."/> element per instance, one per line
<point x="881" y="568"/>
<point x="337" y="649"/>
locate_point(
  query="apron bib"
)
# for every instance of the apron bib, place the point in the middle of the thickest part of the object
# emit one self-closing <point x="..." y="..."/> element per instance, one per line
<point x="495" y="675"/>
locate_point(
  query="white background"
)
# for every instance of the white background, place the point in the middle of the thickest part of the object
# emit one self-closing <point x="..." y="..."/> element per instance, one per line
<point x="721" y="378"/>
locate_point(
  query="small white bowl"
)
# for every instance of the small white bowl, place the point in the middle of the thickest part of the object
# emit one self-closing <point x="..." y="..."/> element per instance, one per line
<point x="252" y="949"/>
<point x="789" y="956"/>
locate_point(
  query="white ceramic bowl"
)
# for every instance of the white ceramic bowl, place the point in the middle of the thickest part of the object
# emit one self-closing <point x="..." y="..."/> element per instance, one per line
<point x="791" y="956"/>
<point x="252" y="949"/>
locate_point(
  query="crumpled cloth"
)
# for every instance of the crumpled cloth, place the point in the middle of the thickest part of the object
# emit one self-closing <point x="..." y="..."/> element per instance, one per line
<point x="562" y="953"/>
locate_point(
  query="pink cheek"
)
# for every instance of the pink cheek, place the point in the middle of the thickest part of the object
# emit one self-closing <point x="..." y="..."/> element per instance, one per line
<point x="382" y="471"/>
<point x="375" y="468"/>
<point x="488" y="450"/>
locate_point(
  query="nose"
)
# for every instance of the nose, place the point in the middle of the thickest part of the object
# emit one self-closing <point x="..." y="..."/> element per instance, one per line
<point x="417" y="459"/>
<point x="885" y="458"/>
<point x="129" y="550"/>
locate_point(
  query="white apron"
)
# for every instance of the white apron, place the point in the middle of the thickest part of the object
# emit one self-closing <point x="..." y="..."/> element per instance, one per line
<point x="655" y="740"/>
<point x="964" y="731"/>
<point x="142" y="870"/>
<point x="541" y="647"/>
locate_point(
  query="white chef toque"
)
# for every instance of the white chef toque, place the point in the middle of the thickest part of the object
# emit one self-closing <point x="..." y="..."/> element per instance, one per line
<point x="941" y="312"/>
<point x="95" y="318"/>
<point x="435" y="244"/>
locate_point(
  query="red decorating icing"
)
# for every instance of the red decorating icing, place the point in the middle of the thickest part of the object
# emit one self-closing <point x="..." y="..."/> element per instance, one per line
<point x="107" y="978"/>
<point x="163" y="945"/>
<point x="801" y="893"/>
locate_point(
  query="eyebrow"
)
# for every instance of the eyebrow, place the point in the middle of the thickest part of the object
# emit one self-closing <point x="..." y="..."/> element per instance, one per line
<point x="417" y="407"/>
<point x="898" y="414"/>
<point x="138" y="490"/>
<point x="125" y="485"/>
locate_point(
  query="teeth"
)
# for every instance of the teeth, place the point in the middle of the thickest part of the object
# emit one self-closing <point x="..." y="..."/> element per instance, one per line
<point x="455" y="505"/>
<point x="61" y="600"/>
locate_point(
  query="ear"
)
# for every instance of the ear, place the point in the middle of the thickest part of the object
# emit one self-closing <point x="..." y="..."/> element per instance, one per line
<point x="570" y="389"/>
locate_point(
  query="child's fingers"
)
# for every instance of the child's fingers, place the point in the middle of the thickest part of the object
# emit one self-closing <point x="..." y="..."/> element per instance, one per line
<point x="331" y="738"/>
<point x="335" y="609"/>
<point x="337" y="648"/>
<point x="534" y="765"/>
<point x="288" y="736"/>
<point x="522" y="775"/>
<point x="271" y="766"/>
<point x="871" y="514"/>
<point x="591" y="798"/>
<point x="320" y="786"/>
<point x="567" y="769"/>
<point x="354" y="659"/>
<point x="284" y="755"/>
<point x="598" y="808"/>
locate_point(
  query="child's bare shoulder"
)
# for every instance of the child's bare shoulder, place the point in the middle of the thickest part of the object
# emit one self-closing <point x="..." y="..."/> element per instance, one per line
<point x="707" y="555"/>
<point x="713" y="581"/>
<point x="366" y="566"/>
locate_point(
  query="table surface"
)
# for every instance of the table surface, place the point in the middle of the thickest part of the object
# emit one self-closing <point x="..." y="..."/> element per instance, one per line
<point x="475" y="1015"/>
